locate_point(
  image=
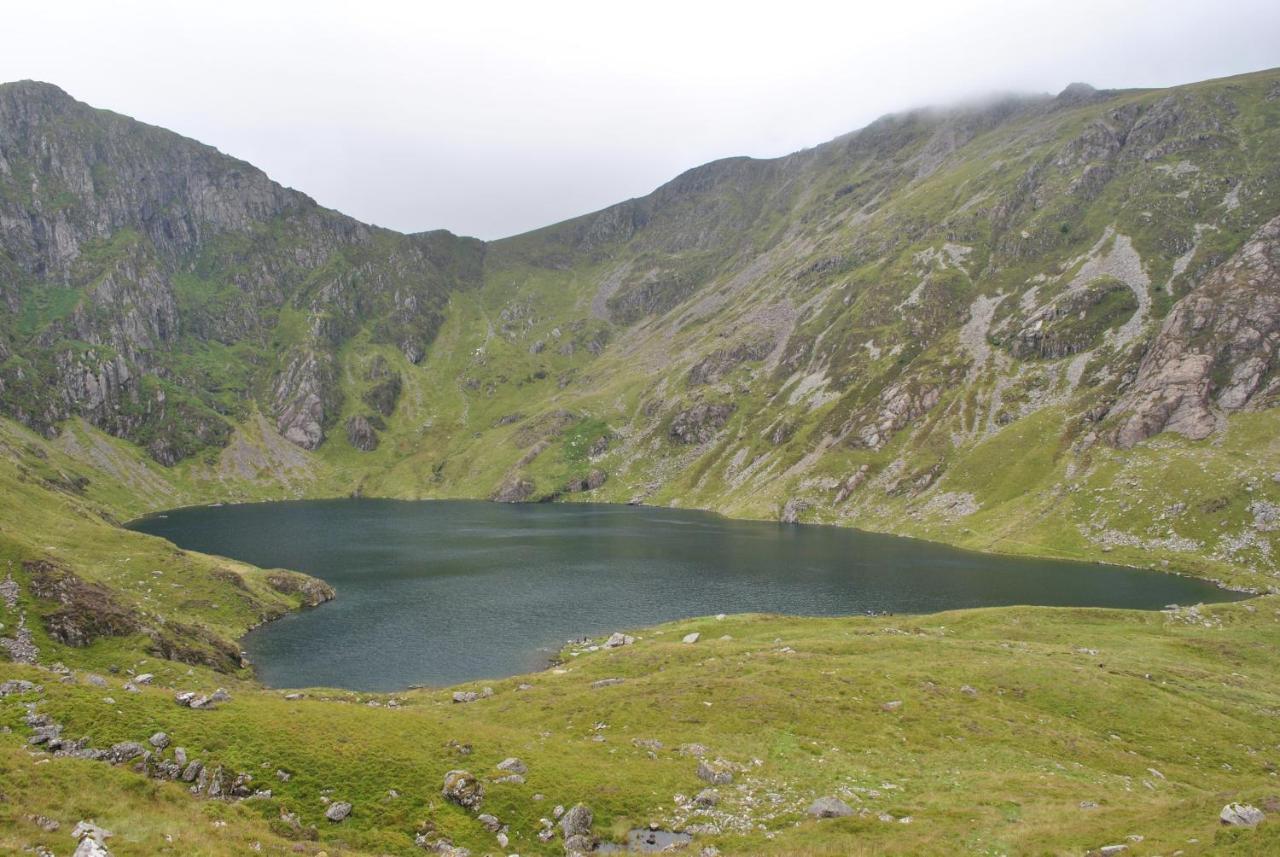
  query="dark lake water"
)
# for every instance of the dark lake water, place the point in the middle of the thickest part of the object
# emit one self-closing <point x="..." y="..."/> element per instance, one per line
<point x="438" y="592"/>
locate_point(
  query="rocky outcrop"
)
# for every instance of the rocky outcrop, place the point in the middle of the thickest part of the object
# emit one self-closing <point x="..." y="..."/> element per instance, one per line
<point x="701" y="422"/>
<point x="312" y="591"/>
<point x="361" y="434"/>
<point x="384" y="395"/>
<point x="85" y="611"/>
<point x="593" y="480"/>
<point x="127" y="249"/>
<point x="713" y="367"/>
<point x="305" y="397"/>
<point x="513" y="491"/>
<point x="1075" y="322"/>
<point x="1216" y="351"/>
<point x="899" y="405"/>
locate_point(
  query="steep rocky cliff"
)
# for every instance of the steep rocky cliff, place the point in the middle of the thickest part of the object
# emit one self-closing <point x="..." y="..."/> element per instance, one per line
<point x="152" y="283"/>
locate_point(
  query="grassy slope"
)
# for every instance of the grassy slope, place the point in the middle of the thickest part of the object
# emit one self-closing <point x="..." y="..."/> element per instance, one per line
<point x="1070" y="706"/>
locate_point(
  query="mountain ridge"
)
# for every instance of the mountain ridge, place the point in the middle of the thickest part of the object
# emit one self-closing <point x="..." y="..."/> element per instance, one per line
<point x="831" y="335"/>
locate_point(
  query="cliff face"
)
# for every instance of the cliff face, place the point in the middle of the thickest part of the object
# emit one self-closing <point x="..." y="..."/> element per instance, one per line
<point x="130" y="253"/>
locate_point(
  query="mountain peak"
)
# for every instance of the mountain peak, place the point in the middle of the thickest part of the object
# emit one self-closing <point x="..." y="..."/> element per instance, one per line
<point x="1077" y="93"/>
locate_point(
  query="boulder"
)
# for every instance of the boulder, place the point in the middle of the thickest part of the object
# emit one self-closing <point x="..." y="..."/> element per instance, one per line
<point x="16" y="685"/>
<point x="716" y="773"/>
<point x="708" y="798"/>
<point x="489" y="822"/>
<point x="829" y="807"/>
<point x="463" y="789"/>
<point x="513" y="765"/>
<point x="159" y="740"/>
<point x="124" y="751"/>
<point x="576" y="822"/>
<point x="338" y="810"/>
<point x="691" y="638"/>
<point x="1241" y="815"/>
<point x="616" y="639"/>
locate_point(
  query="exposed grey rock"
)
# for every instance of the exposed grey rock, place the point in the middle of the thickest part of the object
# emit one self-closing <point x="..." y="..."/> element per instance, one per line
<point x="1215" y="349"/>
<point x="715" y="773"/>
<point x="160" y="740"/>
<point x="706" y="798"/>
<point x="489" y="822"/>
<point x="125" y="750"/>
<point x="311" y="590"/>
<point x="462" y="788"/>
<point x="829" y="807"/>
<point x="590" y="482"/>
<point x="606" y="682"/>
<point x="576" y="823"/>
<point x="361" y="434"/>
<point x="17" y="685"/>
<point x="337" y="811"/>
<point x="513" y="765"/>
<point x="1241" y="815"/>
<point x="691" y="638"/>
<point x="700" y="423"/>
<point x="617" y="638"/>
<point x="514" y="491"/>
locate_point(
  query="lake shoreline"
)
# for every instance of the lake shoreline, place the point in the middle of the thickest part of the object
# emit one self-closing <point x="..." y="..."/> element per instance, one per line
<point x="840" y="571"/>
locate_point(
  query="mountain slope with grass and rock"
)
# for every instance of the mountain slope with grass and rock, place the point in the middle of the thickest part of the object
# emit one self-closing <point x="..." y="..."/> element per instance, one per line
<point x="1043" y="325"/>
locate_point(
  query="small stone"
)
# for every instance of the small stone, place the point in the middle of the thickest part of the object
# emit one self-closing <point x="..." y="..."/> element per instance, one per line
<point x="1241" y="815"/>
<point x="96" y="680"/>
<point x="461" y="696"/>
<point x="892" y="705"/>
<point x="691" y="638"/>
<point x="338" y="810"/>
<point x="967" y="690"/>
<point x="489" y="822"/>
<point x="159" y="740"/>
<point x="829" y="807"/>
<point x="606" y="682"/>
<point x="1112" y="850"/>
<point x="143" y="678"/>
<point x="706" y="798"/>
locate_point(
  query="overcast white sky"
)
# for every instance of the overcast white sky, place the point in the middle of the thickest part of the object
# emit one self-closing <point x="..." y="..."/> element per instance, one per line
<point x="492" y="118"/>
